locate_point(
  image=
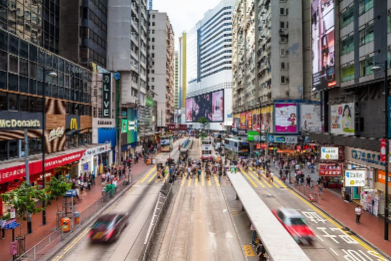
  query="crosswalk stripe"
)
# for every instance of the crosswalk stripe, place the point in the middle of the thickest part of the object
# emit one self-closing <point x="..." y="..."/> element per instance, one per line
<point x="263" y="177"/>
<point x="256" y="178"/>
<point x="255" y="185"/>
<point x="209" y="182"/>
<point x="196" y="182"/>
<point x="183" y="180"/>
<point x="189" y="183"/>
<point x="147" y="175"/>
<point x="152" y="177"/>
<point x="217" y="181"/>
<point x="272" y="182"/>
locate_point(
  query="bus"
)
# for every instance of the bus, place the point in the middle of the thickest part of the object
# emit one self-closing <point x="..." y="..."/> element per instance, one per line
<point x="217" y="137"/>
<point x="206" y="149"/>
<point x="236" y="149"/>
<point x="167" y="143"/>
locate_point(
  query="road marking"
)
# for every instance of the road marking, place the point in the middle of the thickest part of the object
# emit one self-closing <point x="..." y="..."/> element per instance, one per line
<point x="256" y="179"/>
<point x="320" y="238"/>
<point x="248" y="250"/>
<point x="255" y="185"/>
<point x="203" y="178"/>
<point x="209" y="181"/>
<point x="334" y="251"/>
<point x="217" y="181"/>
<point x="196" y="181"/>
<point x="149" y="181"/>
<point x="146" y="175"/>
<point x="183" y="180"/>
<point x="263" y="178"/>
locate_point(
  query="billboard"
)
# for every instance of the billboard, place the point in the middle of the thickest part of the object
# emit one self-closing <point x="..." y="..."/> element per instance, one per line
<point x="132" y="126"/>
<point x="236" y="121"/>
<point x="310" y="118"/>
<point x="323" y="61"/>
<point x="355" y="177"/>
<point x="266" y="119"/>
<point x="243" y="123"/>
<point x="342" y="118"/>
<point x="329" y="153"/>
<point x="285" y="117"/>
<point x="249" y="120"/>
<point x="256" y="121"/>
<point x="209" y="105"/>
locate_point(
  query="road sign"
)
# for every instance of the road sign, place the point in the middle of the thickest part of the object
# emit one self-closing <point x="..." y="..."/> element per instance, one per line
<point x="233" y="169"/>
<point x="12" y="225"/>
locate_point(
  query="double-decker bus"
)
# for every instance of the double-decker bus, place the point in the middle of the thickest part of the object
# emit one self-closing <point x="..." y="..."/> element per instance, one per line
<point x="236" y="149"/>
<point x="206" y="148"/>
<point x="166" y="143"/>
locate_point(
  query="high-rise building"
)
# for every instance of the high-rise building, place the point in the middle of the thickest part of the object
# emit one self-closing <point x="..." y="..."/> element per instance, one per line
<point x="161" y="65"/>
<point x="34" y="21"/>
<point x="182" y="76"/>
<point x="83" y="27"/>
<point x="176" y="82"/>
<point x="209" y="68"/>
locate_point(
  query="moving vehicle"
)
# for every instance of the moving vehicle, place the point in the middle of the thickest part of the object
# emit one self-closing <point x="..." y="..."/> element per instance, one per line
<point x="217" y="137"/>
<point x="235" y="149"/>
<point x="206" y="149"/>
<point x="295" y="224"/>
<point x="167" y="143"/>
<point x="107" y="228"/>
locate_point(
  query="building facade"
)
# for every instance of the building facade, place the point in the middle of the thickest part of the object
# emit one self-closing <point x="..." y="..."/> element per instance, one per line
<point x="176" y="82"/>
<point x="162" y="65"/>
<point x="83" y="27"/>
<point x="209" y="69"/>
<point x="182" y="76"/>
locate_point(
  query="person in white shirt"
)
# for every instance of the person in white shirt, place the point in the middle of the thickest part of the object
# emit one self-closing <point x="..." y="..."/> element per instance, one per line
<point x="2" y="227"/>
<point x="358" y="212"/>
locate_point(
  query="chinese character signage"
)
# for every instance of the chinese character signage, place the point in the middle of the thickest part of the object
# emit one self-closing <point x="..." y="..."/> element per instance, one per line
<point x="329" y="153"/>
<point x="106" y="95"/>
<point x="355" y="178"/>
<point x="330" y="169"/>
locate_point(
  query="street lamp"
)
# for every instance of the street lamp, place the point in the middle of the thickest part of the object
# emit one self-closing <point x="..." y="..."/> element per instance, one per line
<point x="378" y="68"/>
<point x="52" y="75"/>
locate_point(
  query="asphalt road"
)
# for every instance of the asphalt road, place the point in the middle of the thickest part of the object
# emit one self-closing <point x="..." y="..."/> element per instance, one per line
<point x="331" y="243"/>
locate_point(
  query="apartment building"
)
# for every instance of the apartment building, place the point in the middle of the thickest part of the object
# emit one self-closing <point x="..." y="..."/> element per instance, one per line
<point x="176" y="82"/>
<point x="161" y="76"/>
<point x="209" y="68"/>
<point x="182" y="75"/>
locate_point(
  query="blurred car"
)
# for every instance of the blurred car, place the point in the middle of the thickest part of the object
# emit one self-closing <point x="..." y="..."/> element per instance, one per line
<point x="107" y="228"/>
<point x="295" y="224"/>
<point x="197" y="135"/>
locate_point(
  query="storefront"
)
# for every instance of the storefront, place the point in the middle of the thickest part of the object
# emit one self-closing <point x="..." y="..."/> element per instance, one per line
<point x="90" y="161"/>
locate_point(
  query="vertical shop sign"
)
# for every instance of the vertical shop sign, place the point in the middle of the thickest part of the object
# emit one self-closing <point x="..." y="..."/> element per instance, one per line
<point x="106" y="98"/>
<point x="389" y="117"/>
<point x="383" y="150"/>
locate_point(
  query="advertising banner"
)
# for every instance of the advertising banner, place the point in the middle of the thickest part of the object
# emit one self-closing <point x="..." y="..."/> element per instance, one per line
<point x="106" y="95"/>
<point x="310" y="118"/>
<point x="236" y="122"/>
<point x="243" y="120"/>
<point x="323" y="61"/>
<point x="124" y="126"/>
<point x="355" y="178"/>
<point x="389" y="117"/>
<point x="285" y="117"/>
<point x="256" y="121"/>
<point x="383" y="150"/>
<point x="149" y="102"/>
<point x="249" y="120"/>
<point x="381" y="177"/>
<point x="208" y="105"/>
<point x="132" y="126"/>
<point x="253" y="136"/>
<point x="266" y="119"/>
<point x="330" y="169"/>
<point x="285" y="139"/>
<point x="342" y="118"/>
<point x="329" y="153"/>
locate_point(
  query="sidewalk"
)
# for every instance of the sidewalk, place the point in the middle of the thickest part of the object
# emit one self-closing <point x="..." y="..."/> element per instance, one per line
<point x="40" y="231"/>
<point x="371" y="228"/>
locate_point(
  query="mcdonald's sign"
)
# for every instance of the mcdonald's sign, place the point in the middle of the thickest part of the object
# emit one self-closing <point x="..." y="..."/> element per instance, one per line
<point x="72" y="123"/>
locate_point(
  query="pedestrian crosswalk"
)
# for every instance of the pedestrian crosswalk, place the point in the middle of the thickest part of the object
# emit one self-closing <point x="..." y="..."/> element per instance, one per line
<point x="260" y="180"/>
<point x="152" y="177"/>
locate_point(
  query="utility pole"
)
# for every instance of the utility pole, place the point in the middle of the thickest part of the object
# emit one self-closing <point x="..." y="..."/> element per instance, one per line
<point x="26" y="164"/>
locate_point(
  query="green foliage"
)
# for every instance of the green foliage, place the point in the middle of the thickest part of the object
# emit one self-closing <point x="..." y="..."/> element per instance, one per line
<point x="57" y="188"/>
<point x="23" y="199"/>
<point x="203" y="120"/>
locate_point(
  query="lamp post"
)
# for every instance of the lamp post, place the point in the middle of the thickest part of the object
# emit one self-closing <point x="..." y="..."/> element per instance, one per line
<point x="43" y="145"/>
<point x="384" y="68"/>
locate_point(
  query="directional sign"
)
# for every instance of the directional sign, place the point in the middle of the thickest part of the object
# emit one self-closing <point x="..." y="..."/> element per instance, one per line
<point x="12" y="225"/>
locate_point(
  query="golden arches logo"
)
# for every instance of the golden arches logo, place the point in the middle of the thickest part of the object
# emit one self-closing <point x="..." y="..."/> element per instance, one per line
<point x="73" y="125"/>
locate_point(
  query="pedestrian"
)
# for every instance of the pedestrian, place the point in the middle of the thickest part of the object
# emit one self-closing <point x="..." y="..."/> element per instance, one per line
<point x="253" y="234"/>
<point x="220" y="174"/>
<point x="2" y="227"/>
<point x="89" y="181"/>
<point x="199" y="174"/>
<point x="320" y="187"/>
<point x="308" y="179"/>
<point x="260" y="251"/>
<point x="358" y="211"/>
<point x="93" y="178"/>
<point x="271" y="177"/>
<point x="188" y="171"/>
<point x="103" y="177"/>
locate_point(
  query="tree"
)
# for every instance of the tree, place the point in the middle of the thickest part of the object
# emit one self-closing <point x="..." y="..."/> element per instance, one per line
<point x="57" y="188"/>
<point x="204" y="121"/>
<point x="23" y="200"/>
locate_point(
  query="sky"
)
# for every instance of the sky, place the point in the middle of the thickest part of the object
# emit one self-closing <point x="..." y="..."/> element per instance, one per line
<point x="183" y="14"/>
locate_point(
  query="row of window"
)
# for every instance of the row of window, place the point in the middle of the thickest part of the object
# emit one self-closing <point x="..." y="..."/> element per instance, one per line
<point x="216" y="66"/>
<point x="214" y="29"/>
<point x="214" y="56"/>
<point x="95" y="38"/>
<point x="100" y="6"/>
<point x="206" y="29"/>
<point x="203" y="66"/>
<point x="348" y="16"/>
<point x="205" y="49"/>
<point x="98" y="22"/>
<point x="216" y="36"/>
<point x="213" y="17"/>
<point x="217" y="71"/>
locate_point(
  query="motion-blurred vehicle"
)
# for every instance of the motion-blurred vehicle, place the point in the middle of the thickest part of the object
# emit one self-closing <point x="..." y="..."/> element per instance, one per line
<point x="197" y="135"/>
<point x="107" y="228"/>
<point x="295" y="224"/>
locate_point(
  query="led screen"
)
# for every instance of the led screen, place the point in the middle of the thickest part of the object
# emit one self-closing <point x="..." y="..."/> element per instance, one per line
<point x="209" y="105"/>
<point x="323" y="60"/>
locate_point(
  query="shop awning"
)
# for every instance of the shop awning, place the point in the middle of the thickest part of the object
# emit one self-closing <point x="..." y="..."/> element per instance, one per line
<point x="286" y="151"/>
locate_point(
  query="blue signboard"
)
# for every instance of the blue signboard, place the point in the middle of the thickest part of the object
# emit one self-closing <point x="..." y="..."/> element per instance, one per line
<point x="12" y="225"/>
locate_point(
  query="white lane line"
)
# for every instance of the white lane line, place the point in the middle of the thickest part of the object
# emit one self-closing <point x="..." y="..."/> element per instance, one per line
<point x="320" y="238"/>
<point x="334" y="251"/>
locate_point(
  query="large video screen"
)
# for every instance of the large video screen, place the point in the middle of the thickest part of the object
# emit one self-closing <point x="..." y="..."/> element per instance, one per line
<point x="323" y="60"/>
<point x="209" y="105"/>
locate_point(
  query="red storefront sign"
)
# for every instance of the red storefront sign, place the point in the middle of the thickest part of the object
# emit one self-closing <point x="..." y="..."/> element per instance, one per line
<point x="174" y="127"/>
<point x="383" y="150"/>
<point x="35" y="167"/>
<point x="330" y="169"/>
<point x="258" y="146"/>
<point x="298" y="148"/>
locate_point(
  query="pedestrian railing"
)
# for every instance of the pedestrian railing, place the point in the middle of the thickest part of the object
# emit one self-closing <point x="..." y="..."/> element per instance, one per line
<point x="158" y="214"/>
<point x="38" y="251"/>
<point x="307" y="191"/>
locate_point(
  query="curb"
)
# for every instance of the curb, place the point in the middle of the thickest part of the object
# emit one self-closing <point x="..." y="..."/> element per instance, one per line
<point x="81" y="228"/>
<point x="341" y="224"/>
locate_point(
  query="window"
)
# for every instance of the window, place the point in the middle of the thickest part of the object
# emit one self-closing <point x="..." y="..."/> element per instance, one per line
<point x="282" y="25"/>
<point x="13" y="45"/>
<point x="366" y="35"/>
<point x="347" y="73"/>
<point x="282" y="11"/>
<point x="24" y="49"/>
<point x="24" y="105"/>
<point x="3" y="101"/>
<point x="3" y="61"/>
<point x="23" y="67"/>
<point x="3" y="80"/>
<point x="364" y="6"/>
<point x="282" y="52"/>
<point x="347" y="45"/>
<point x="13" y="149"/>
<point x="389" y="23"/>
<point x="347" y="17"/>
<point x="13" y="102"/>
<point x="366" y="66"/>
<point x="282" y="66"/>
<point x="13" y="64"/>
<point x="12" y="82"/>
<point x="3" y="40"/>
<point x="23" y="84"/>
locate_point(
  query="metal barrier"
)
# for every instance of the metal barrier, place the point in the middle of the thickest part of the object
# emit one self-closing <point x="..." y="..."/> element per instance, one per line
<point x="307" y="191"/>
<point x="158" y="214"/>
<point x="46" y="244"/>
